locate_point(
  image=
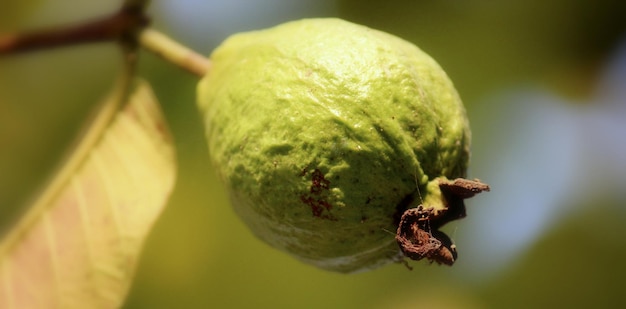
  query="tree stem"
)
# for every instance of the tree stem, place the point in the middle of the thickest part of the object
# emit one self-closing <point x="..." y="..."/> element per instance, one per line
<point x="118" y="26"/>
<point x="174" y="52"/>
<point x="127" y="26"/>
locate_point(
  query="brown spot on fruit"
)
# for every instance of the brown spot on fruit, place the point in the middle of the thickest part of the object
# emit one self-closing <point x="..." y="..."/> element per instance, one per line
<point x="316" y="200"/>
<point x="318" y="182"/>
<point x="319" y="207"/>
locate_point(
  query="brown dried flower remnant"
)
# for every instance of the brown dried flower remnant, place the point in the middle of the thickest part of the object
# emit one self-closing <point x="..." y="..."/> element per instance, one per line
<point x="418" y="235"/>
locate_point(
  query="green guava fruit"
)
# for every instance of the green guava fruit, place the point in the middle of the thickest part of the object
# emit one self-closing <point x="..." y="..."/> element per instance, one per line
<point x="327" y="136"/>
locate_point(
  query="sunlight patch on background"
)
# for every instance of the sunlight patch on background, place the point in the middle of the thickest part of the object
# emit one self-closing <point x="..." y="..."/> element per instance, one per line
<point x="215" y="20"/>
<point x="542" y="156"/>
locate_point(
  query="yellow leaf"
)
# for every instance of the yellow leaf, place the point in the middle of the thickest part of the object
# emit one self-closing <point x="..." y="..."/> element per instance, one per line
<point x="78" y="245"/>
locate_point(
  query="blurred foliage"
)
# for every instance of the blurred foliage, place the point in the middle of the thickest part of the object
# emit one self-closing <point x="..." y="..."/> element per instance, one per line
<point x="579" y="264"/>
<point x="485" y="44"/>
<point x="13" y="12"/>
<point x="200" y="254"/>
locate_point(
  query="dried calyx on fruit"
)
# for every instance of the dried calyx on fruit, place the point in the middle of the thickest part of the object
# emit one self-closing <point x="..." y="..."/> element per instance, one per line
<point x="418" y="231"/>
<point x="328" y="135"/>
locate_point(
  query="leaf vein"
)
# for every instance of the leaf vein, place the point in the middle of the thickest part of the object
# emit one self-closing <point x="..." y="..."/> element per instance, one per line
<point x="54" y="256"/>
<point x="8" y="284"/>
<point x="84" y="218"/>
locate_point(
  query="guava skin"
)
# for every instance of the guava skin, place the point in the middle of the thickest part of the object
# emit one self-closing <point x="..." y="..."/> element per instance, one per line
<point x="322" y="130"/>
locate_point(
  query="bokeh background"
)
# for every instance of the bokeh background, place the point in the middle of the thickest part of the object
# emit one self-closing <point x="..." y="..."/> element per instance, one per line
<point x="544" y="83"/>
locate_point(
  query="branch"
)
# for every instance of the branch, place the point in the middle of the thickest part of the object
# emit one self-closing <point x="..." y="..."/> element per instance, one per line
<point x="127" y="26"/>
<point x="139" y="5"/>
<point x="120" y="26"/>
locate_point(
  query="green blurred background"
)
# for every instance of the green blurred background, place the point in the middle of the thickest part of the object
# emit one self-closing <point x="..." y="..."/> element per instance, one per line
<point x="544" y="83"/>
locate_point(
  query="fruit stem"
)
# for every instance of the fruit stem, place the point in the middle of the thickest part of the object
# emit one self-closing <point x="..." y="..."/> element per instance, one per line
<point x="174" y="52"/>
